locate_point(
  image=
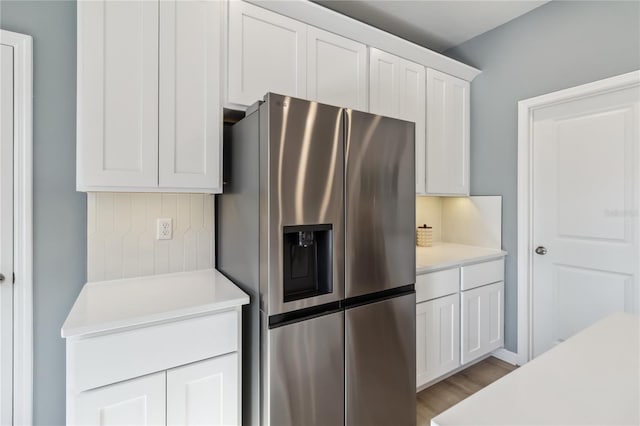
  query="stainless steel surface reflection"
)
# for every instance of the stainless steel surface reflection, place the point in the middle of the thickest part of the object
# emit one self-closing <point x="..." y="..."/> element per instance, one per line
<point x="380" y="203"/>
<point x="380" y="363"/>
<point x="306" y="163"/>
<point x="304" y="177"/>
<point x="307" y="372"/>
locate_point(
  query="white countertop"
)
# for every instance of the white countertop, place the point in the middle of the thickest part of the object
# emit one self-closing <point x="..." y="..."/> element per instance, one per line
<point x="593" y="378"/>
<point x="446" y="255"/>
<point x="109" y="305"/>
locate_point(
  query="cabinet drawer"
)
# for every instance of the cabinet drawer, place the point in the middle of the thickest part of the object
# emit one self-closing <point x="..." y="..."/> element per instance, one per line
<point x="437" y="284"/>
<point x="480" y="274"/>
<point x="101" y="360"/>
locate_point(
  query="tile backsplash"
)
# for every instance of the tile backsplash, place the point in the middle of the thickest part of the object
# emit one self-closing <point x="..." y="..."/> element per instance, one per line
<point x="121" y="234"/>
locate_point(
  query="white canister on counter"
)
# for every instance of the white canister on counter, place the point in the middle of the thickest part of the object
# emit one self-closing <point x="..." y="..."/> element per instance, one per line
<point x="424" y="236"/>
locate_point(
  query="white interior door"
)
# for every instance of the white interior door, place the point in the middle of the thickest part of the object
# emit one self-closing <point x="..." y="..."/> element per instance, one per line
<point x="585" y="213"/>
<point x="6" y="234"/>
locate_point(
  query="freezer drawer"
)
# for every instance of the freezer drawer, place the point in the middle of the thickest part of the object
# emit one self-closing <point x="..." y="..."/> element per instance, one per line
<point x="306" y="372"/>
<point x="380" y="341"/>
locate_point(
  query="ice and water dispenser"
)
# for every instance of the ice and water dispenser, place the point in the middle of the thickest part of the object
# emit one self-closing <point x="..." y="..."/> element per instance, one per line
<point x="308" y="269"/>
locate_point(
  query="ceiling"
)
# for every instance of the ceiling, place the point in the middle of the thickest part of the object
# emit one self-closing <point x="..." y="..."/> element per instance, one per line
<point x="435" y="24"/>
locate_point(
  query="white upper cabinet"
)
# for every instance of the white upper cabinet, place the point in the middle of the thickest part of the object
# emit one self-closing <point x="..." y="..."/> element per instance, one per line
<point x="384" y="80"/>
<point x="267" y="53"/>
<point x="397" y="89"/>
<point x="412" y="108"/>
<point x="337" y="70"/>
<point x="190" y="114"/>
<point x="117" y="116"/>
<point x="149" y="110"/>
<point x="447" y="148"/>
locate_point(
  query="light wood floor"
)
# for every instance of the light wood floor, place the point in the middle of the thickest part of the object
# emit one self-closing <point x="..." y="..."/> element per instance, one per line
<point x="439" y="397"/>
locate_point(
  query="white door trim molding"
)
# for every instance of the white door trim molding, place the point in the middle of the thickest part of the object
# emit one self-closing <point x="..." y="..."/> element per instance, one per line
<point x="23" y="219"/>
<point x="526" y="109"/>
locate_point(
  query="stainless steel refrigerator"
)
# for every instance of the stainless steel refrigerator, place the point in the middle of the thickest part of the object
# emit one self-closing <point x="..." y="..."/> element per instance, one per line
<point x="316" y="223"/>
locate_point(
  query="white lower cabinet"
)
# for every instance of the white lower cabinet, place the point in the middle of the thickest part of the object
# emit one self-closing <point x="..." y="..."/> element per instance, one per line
<point x="482" y="320"/>
<point x="438" y="338"/>
<point x="181" y="372"/>
<point x="459" y="318"/>
<point x="139" y="401"/>
<point x="204" y="393"/>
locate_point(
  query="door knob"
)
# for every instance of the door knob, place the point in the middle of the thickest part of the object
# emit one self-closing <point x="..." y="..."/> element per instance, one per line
<point x="1" y="278"/>
<point x="541" y="250"/>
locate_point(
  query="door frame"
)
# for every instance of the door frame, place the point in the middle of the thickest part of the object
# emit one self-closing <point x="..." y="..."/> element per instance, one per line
<point x="23" y="225"/>
<point x="526" y="108"/>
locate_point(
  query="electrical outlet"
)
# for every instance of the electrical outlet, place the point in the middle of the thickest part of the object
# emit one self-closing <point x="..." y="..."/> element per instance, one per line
<point x="164" y="229"/>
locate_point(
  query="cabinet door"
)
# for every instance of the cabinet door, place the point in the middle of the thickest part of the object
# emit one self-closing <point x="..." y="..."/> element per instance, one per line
<point x="267" y="53"/>
<point x="411" y="106"/>
<point x="190" y="111"/>
<point x="138" y="401"/>
<point x="384" y="81"/>
<point x="204" y="393"/>
<point x="482" y="320"/>
<point x="397" y="89"/>
<point x="337" y="70"/>
<point x="447" y="168"/>
<point x="438" y="338"/>
<point x="117" y="129"/>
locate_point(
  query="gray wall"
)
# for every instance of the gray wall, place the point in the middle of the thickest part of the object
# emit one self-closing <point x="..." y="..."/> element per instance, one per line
<point x="559" y="45"/>
<point x="59" y="212"/>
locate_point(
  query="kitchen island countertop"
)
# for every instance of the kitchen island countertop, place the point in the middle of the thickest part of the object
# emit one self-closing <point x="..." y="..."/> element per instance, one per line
<point x="592" y="378"/>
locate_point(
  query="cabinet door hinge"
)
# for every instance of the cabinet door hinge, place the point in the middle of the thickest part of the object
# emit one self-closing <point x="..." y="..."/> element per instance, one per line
<point x="14" y="277"/>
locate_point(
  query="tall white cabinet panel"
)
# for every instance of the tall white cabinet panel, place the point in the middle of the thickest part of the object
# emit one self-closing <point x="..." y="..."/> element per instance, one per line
<point x="447" y="147"/>
<point x="397" y="89"/>
<point x="482" y="320"/>
<point x="190" y="109"/>
<point x="117" y="128"/>
<point x="336" y="70"/>
<point x="438" y="338"/>
<point x="266" y="54"/>
<point x="204" y="393"/>
<point x="138" y="401"/>
<point x="412" y="108"/>
<point x="384" y="81"/>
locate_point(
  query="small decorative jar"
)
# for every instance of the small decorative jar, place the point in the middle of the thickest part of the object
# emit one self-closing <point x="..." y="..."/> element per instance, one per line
<point x="424" y="236"/>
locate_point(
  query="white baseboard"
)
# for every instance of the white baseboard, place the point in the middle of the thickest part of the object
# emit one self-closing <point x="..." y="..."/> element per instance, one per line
<point x="506" y="356"/>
